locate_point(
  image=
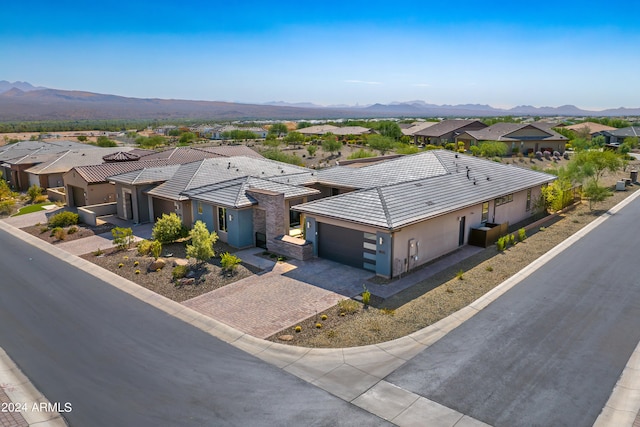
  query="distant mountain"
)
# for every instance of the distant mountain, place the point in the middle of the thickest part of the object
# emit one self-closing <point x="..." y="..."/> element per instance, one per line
<point x="6" y="86"/>
<point x="21" y="101"/>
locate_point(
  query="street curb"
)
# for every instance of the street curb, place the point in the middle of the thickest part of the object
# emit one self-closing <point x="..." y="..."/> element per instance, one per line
<point x="22" y="393"/>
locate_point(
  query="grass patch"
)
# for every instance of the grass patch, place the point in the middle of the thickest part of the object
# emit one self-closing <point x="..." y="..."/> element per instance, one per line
<point x="32" y="208"/>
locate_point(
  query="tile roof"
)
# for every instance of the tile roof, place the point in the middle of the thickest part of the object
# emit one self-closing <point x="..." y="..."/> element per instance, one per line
<point x="211" y="171"/>
<point x="396" y="205"/>
<point x="233" y="193"/>
<point x="351" y="130"/>
<point x="416" y="127"/>
<point x="502" y="131"/>
<point x="444" y="127"/>
<point x="146" y="176"/>
<point x="29" y="152"/>
<point x="98" y="173"/>
<point x="624" y="132"/>
<point x="317" y="130"/>
<point x="232" y="150"/>
<point x="590" y="126"/>
<point x="181" y="155"/>
<point x="65" y="161"/>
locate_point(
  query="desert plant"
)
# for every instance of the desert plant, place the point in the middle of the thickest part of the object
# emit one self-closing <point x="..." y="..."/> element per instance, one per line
<point x="60" y="233"/>
<point x="323" y="317"/>
<point x="120" y="265"/>
<point x="522" y="235"/>
<point x="168" y="229"/>
<point x="366" y="295"/>
<point x="72" y="230"/>
<point x="155" y="247"/>
<point x="202" y="241"/>
<point x="144" y="247"/>
<point x="298" y="328"/>
<point x="33" y="192"/>
<point x="98" y="252"/>
<point x="179" y="271"/>
<point x="318" y="325"/>
<point x="489" y="268"/>
<point x="229" y="262"/>
<point x="63" y="219"/>
<point x="460" y="275"/>
<point x="6" y="206"/>
<point x="512" y="239"/>
<point x="122" y="237"/>
<point x="501" y="244"/>
<point x="137" y="271"/>
<point x="348" y="306"/>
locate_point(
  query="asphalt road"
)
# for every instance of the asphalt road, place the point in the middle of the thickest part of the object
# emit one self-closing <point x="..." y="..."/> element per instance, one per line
<point x="550" y="350"/>
<point x="121" y="362"/>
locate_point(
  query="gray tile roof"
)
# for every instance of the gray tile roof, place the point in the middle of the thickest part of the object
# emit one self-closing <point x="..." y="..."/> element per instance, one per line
<point x="181" y="155"/>
<point x="98" y="173"/>
<point x="624" y="132"/>
<point x="233" y="193"/>
<point x="416" y="127"/>
<point x="146" y="176"/>
<point x="232" y="151"/>
<point x="211" y="171"/>
<point x="502" y="131"/>
<point x="29" y="152"/>
<point x="67" y="160"/>
<point x="396" y="205"/>
<point x="444" y="127"/>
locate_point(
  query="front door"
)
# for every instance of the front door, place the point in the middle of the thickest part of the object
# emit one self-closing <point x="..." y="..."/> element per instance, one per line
<point x="461" y="233"/>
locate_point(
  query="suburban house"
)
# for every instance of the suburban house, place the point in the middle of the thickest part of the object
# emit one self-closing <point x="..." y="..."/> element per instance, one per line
<point x="591" y="128"/>
<point x="617" y="136"/>
<point x="388" y="217"/>
<point x="320" y="130"/>
<point x="88" y="185"/>
<point x="411" y="128"/>
<point x="49" y="174"/>
<point x="16" y="158"/>
<point x="446" y="131"/>
<point x="523" y="138"/>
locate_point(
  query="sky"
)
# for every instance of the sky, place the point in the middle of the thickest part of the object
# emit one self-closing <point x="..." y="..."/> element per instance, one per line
<point x="500" y="53"/>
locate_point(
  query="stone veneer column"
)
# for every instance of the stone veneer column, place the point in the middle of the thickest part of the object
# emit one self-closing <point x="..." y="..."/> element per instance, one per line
<point x="274" y="207"/>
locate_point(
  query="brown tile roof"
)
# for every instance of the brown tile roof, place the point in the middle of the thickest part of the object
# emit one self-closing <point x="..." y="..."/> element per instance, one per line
<point x="591" y="127"/>
<point x="181" y="155"/>
<point x="98" y="173"/>
<point x="232" y="151"/>
<point x="444" y="127"/>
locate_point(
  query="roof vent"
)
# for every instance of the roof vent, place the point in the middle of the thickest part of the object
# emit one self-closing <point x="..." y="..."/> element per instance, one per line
<point x="474" y="181"/>
<point x="229" y="165"/>
<point x="488" y="178"/>
<point x="456" y="155"/>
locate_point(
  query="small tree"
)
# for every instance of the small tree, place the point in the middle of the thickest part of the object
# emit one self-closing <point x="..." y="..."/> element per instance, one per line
<point x="380" y="143"/>
<point x="595" y="193"/>
<point x="122" y="237"/>
<point x="311" y="149"/>
<point x="201" y="247"/>
<point x="294" y="138"/>
<point x="168" y="228"/>
<point x="103" y="141"/>
<point x="229" y="262"/>
<point x="187" y="137"/>
<point x="330" y="144"/>
<point x="34" y="192"/>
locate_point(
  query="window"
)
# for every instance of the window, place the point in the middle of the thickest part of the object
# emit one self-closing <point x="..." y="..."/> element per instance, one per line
<point x="294" y="219"/>
<point x="505" y="199"/>
<point x="222" y="219"/>
<point x="529" y="199"/>
<point x="485" y="212"/>
<point x="199" y="208"/>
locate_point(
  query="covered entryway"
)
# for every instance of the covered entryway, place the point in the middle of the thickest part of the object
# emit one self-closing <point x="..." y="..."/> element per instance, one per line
<point x="162" y="206"/>
<point x="78" y="196"/>
<point x="342" y="245"/>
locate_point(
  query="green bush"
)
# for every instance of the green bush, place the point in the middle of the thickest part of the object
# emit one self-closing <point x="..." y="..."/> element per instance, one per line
<point x="229" y="262"/>
<point x="522" y="235"/>
<point x="72" y="230"/>
<point x="348" y="306"/>
<point x="366" y="296"/>
<point x="34" y="192"/>
<point x="144" y="247"/>
<point x="179" y="271"/>
<point x="501" y="244"/>
<point x="59" y="233"/>
<point x="122" y="237"/>
<point x="202" y="241"/>
<point x="6" y="206"/>
<point x="169" y="228"/>
<point x="156" y="249"/>
<point x="63" y="219"/>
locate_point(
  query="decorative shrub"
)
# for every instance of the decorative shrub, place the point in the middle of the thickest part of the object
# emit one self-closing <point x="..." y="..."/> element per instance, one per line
<point x="318" y="325"/>
<point x="323" y="317"/>
<point x="98" y="252"/>
<point x="460" y="274"/>
<point x="144" y="247"/>
<point x="489" y="268"/>
<point x="348" y="306"/>
<point x="60" y="233"/>
<point x="33" y="192"/>
<point x="179" y="271"/>
<point x="366" y="295"/>
<point x="136" y="263"/>
<point x="122" y="237"/>
<point x="73" y="229"/>
<point x="120" y="265"/>
<point x="522" y="235"/>
<point x="202" y="241"/>
<point x="229" y="262"/>
<point x="501" y="244"/>
<point x="63" y="219"/>
<point x="137" y="271"/>
<point x="298" y="328"/>
<point x="169" y="228"/>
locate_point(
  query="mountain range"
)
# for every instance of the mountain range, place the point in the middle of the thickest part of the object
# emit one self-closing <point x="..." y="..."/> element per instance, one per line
<point x="21" y="101"/>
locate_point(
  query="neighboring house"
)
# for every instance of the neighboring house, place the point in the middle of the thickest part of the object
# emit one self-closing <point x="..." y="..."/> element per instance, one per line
<point x="617" y="136"/>
<point x="411" y="210"/>
<point x="592" y="128"/>
<point x="50" y="173"/>
<point x="413" y="128"/>
<point x="16" y="158"/>
<point x="88" y="185"/>
<point x="186" y="189"/>
<point x="164" y="130"/>
<point x="525" y="138"/>
<point x="446" y="131"/>
<point x="318" y="130"/>
<point x="352" y="130"/>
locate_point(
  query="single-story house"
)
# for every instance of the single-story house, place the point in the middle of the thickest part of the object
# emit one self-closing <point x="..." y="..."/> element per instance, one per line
<point x="387" y="217"/>
<point x="16" y="158"/>
<point x="591" y="128"/>
<point x="446" y="131"/>
<point x="524" y="138"/>
<point x="618" y="136"/>
<point x="393" y="216"/>
<point x="411" y="128"/>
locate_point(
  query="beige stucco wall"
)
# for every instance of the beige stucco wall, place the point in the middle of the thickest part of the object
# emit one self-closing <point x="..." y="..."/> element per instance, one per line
<point x="514" y="211"/>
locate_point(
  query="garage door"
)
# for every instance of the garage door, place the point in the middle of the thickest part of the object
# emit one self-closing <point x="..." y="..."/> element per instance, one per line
<point x="346" y="246"/>
<point x="161" y="206"/>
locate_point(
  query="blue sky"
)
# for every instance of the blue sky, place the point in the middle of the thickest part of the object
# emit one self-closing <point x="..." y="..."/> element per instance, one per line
<point x="498" y="53"/>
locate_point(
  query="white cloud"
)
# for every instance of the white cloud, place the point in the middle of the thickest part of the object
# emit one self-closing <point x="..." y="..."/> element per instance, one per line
<point x="363" y="82"/>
